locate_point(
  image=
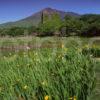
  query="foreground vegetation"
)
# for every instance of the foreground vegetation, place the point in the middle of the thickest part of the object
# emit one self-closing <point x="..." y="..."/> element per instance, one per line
<point x="96" y="92"/>
<point x="39" y="75"/>
<point x="59" y="69"/>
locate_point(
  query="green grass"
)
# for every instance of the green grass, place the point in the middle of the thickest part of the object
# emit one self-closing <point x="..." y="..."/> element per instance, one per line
<point x="30" y="39"/>
<point x="52" y="71"/>
<point x="34" y="74"/>
<point x="96" y="92"/>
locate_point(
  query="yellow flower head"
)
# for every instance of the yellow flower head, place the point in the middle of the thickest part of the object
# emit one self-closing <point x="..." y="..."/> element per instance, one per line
<point x="79" y="50"/>
<point x="62" y="46"/>
<point x="46" y="97"/>
<point x="71" y="98"/>
<point x="44" y="83"/>
<point x="74" y="97"/>
<point x="25" y="87"/>
<point x="95" y="46"/>
<point x="62" y="58"/>
<point x="87" y="46"/>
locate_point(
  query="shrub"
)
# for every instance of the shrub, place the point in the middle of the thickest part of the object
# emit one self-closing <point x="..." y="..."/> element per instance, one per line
<point x="15" y="31"/>
<point x="95" y="52"/>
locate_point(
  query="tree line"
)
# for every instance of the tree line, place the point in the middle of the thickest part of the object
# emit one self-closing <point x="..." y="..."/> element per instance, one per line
<point x="85" y="25"/>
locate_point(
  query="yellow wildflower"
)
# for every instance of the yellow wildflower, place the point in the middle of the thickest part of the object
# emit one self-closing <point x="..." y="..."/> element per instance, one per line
<point x="95" y="46"/>
<point x="91" y="55"/>
<point x="25" y="87"/>
<point x="74" y="97"/>
<point x="87" y="46"/>
<point x="46" y="97"/>
<point x="59" y="56"/>
<point x="62" y="58"/>
<point x="71" y="98"/>
<point x="44" y="83"/>
<point x="62" y="46"/>
<point x="79" y="50"/>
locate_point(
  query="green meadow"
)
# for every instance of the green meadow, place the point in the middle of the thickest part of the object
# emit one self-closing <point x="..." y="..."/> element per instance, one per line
<point x="49" y="68"/>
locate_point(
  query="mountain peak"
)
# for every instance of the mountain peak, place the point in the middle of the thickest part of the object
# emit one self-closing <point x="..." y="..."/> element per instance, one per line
<point x="35" y="19"/>
<point x="48" y="8"/>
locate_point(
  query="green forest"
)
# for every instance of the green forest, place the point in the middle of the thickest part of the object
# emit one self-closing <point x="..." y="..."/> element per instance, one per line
<point x="85" y="25"/>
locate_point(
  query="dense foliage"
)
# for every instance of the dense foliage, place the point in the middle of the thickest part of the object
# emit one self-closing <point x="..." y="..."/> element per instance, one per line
<point x="85" y="25"/>
<point x="93" y="25"/>
<point x="50" y="25"/>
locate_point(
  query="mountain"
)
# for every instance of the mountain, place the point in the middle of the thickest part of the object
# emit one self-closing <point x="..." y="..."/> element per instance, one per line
<point x="35" y="19"/>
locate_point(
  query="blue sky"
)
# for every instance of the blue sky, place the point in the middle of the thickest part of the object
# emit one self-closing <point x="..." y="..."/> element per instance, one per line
<point x="12" y="10"/>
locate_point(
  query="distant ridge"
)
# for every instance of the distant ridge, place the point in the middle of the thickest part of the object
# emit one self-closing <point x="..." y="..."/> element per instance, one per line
<point x="34" y="19"/>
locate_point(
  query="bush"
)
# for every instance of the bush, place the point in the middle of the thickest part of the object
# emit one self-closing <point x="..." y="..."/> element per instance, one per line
<point x="95" y="52"/>
<point x="74" y="26"/>
<point x="15" y="31"/>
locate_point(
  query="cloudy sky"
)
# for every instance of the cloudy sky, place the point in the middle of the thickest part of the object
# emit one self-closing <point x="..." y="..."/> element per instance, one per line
<point x="12" y="10"/>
